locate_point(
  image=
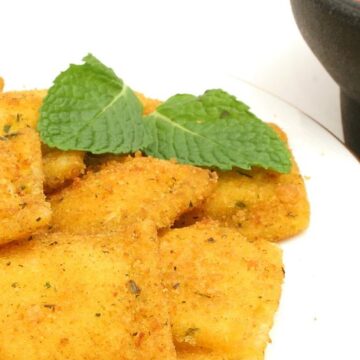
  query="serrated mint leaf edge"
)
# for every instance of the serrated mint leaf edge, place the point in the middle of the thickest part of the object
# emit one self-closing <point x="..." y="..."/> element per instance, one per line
<point x="245" y="164"/>
<point x="98" y="66"/>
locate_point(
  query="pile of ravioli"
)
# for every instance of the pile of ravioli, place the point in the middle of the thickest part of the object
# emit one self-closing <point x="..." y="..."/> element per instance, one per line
<point x="131" y="257"/>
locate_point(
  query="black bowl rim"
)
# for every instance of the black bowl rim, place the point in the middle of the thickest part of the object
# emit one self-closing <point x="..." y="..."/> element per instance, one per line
<point x="347" y="11"/>
<point x="348" y="7"/>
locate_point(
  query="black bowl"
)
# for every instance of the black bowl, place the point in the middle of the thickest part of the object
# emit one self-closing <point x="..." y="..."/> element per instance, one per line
<point x="332" y="30"/>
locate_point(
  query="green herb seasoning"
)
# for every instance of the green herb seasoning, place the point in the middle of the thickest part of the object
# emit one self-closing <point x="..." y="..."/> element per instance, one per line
<point x="6" y="128"/>
<point x="191" y="331"/>
<point x="240" y="205"/>
<point x="134" y="289"/>
<point x="202" y="294"/>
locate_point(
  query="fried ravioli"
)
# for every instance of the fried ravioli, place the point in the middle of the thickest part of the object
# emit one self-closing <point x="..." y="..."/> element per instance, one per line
<point x="84" y="298"/>
<point x="60" y="167"/>
<point x="261" y="204"/>
<point x="223" y="290"/>
<point x="129" y="192"/>
<point x="19" y="110"/>
<point x="23" y="209"/>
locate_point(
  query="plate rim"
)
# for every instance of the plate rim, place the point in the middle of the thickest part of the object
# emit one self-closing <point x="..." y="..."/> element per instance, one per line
<point x="295" y="107"/>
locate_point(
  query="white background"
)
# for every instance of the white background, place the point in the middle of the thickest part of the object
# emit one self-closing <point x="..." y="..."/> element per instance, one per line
<point x="256" y="40"/>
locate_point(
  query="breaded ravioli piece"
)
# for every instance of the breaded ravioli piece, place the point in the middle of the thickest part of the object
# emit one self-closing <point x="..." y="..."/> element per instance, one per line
<point x="129" y="192"/>
<point x="61" y="167"/>
<point x="19" y="110"/>
<point x="223" y="289"/>
<point x="261" y="204"/>
<point x="90" y="297"/>
<point x="23" y="209"/>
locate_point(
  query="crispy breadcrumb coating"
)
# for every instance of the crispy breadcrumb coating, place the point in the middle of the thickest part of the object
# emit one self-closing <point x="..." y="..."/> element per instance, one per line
<point x="23" y="209"/>
<point x="60" y="167"/>
<point x="223" y="290"/>
<point x="19" y="110"/>
<point x="129" y="192"/>
<point x="200" y="354"/>
<point x="261" y="204"/>
<point x="84" y="298"/>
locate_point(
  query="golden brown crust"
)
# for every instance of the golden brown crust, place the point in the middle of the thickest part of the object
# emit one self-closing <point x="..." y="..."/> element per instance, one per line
<point x="84" y="298"/>
<point x="60" y="167"/>
<point x="223" y="290"/>
<point x="23" y="209"/>
<point x="196" y="353"/>
<point x="261" y="204"/>
<point x="124" y="193"/>
<point x="19" y="110"/>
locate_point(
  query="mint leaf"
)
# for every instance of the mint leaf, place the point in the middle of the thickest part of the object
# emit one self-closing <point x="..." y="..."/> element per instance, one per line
<point x="214" y="130"/>
<point x="89" y="108"/>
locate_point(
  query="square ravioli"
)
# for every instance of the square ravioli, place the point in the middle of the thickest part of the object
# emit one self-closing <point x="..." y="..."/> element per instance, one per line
<point x="122" y="193"/>
<point x="87" y="297"/>
<point x="223" y="290"/>
<point x="261" y="204"/>
<point x="23" y="209"/>
<point x="20" y="110"/>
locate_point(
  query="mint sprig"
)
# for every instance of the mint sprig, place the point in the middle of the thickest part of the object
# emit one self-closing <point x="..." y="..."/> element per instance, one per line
<point x="214" y="130"/>
<point x="89" y="108"/>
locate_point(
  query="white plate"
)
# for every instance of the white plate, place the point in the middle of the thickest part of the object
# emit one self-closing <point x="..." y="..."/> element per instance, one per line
<point x="319" y="314"/>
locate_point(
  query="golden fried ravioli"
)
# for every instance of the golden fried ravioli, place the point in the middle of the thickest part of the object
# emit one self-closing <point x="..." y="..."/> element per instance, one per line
<point x="87" y="297"/>
<point x="19" y="110"/>
<point x="60" y="167"/>
<point x="223" y="290"/>
<point x="124" y="193"/>
<point x="261" y="204"/>
<point x="23" y="209"/>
